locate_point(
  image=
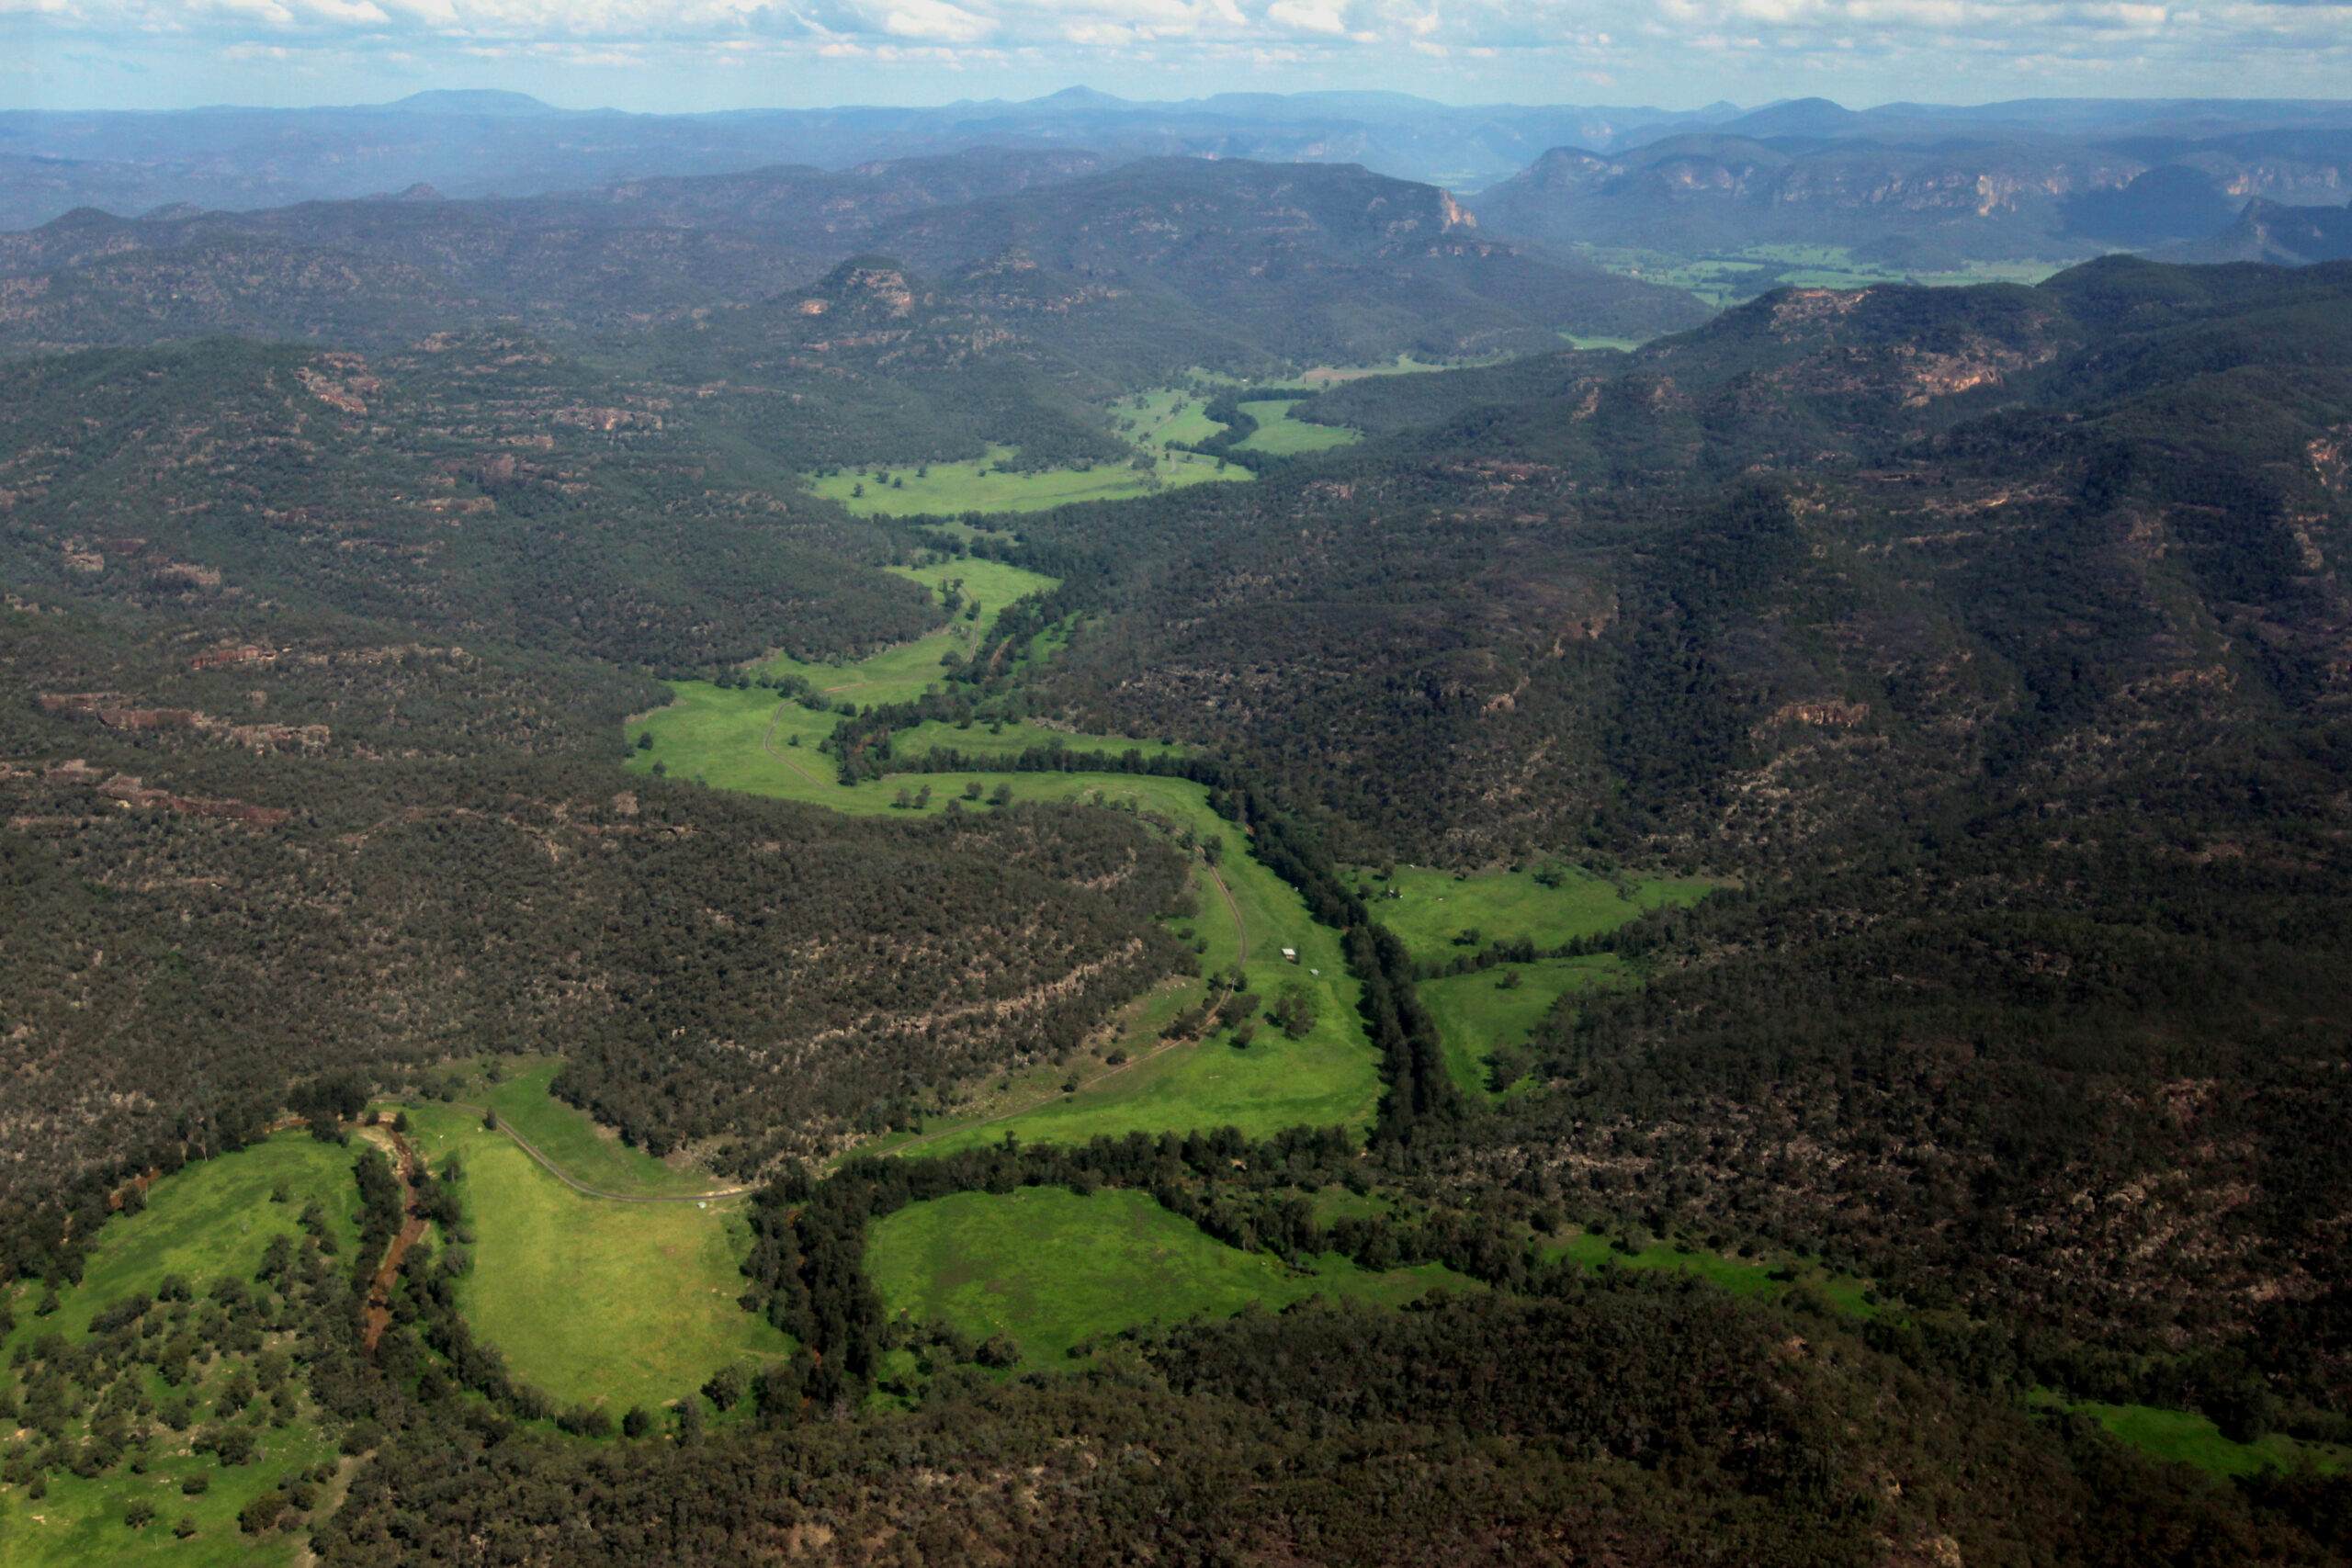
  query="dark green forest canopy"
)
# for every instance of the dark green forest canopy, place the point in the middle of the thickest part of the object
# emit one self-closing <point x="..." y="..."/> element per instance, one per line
<point x="1986" y="648"/>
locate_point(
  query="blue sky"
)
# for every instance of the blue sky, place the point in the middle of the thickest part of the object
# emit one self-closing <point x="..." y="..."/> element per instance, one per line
<point x="672" y="55"/>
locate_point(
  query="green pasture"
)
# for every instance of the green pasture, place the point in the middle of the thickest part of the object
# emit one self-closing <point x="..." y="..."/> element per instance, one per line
<point x="1728" y="276"/>
<point x="2183" y="1436"/>
<point x="898" y="673"/>
<point x="1279" y="435"/>
<point x="590" y="1152"/>
<point x="1435" y="908"/>
<point x="1403" y="364"/>
<point x="1330" y="1077"/>
<point x="745" y="739"/>
<point x="1052" y="1268"/>
<point x="988" y="485"/>
<point x="1736" y="1276"/>
<point x="1154" y="419"/>
<point x="1623" y="344"/>
<point x="598" y="1303"/>
<point x="80" y="1523"/>
<point x="1475" y="1013"/>
<point x="212" y="1218"/>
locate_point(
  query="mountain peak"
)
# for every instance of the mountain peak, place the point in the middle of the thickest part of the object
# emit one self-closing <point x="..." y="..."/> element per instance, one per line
<point x="470" y="100"/>
<point x="1078" y="97"/>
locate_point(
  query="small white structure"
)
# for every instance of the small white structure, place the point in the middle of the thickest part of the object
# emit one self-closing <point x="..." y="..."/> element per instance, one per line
<point x="1289" y="955"/>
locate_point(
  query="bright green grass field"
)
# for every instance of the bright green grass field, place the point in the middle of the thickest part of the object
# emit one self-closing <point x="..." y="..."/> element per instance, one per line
<point x="743" y="740"/>
<point x="1727" y="277"/>
<point x="2184" y="1438"/>
<point x="1329" y="1077"/>
<point x="1736" y="1276"/>
<point x="590" y="1153"/>
<point x="1051" y="1268"/>
<point x="896" y="673"/>
<point x="80" y="1525"/>
<point x="1512" y="906"/>
<point x="1282" y="436"/>
<point x="980" y="486"/>
<point x="598" y="1303"/>
<point x="1474" y="1015"/>
<point x="1403" y="364"/>
<point x="210" y="1219"/>
<point x="1157" y="418"/>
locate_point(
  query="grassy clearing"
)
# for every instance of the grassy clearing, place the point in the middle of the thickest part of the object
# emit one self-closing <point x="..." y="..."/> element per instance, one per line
<point x="590" y="1152"/>
<point x="1623" y="344"/>
<point x="1155" y="419"/>
<point x="898" y="673"/>
<point x="1434" y="907"/>
<point x="747" y="738"/>
<point x="212" y="1219"/>
<point x="1052" y="1268"/>
<point x="80" y="1523"/>
<point x="1328" y="1078"/>
<point x="597" y="1302"/>
<point x="743" y="740"/>
<point x="1403" y="364"/>
<point x="2184" y="1438"/>
<point x="1739" y="1276"/>
<point x="987" y="485"/>
<point x="1475" y="1014"/>
<point x="1726" y="278"/>
<point x="1280" y="435"/>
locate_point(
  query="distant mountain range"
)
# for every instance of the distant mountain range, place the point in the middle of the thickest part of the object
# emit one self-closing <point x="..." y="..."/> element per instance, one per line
<point x="480" y="143"/>
<point x="1150" y="267"/>
<point x="2276" y="232"/>
<point x="1896" y="195"/>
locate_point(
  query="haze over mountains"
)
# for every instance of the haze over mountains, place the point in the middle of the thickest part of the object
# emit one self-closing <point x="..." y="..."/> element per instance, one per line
<point x="684" y="211"/>
<point x="1382" y="265"/>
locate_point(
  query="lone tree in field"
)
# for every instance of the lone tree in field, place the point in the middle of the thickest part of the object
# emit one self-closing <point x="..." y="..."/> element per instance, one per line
<point x="1293" y="1010"/>
<point x="726" y="1387"/>
<point x="263" y="1513"/>
<point x="1003" y="795"/>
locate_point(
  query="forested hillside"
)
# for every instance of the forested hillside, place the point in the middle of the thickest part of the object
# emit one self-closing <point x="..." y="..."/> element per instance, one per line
<point x="1990" y="642"/>
<point x="1307" y="262"/>
<point x="1897" y="738"/>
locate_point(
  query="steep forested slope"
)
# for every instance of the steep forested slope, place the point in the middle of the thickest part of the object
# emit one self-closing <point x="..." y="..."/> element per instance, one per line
<point x="1307" y="262"/>
<point x="1993" y="642"/>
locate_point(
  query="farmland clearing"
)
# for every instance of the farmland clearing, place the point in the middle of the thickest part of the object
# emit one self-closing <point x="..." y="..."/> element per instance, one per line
<point x="1051" y="1268"/>
<point x="597" y="1302"/>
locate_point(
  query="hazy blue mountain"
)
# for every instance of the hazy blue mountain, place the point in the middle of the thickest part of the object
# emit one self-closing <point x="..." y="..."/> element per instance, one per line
<point x="476" y="143"/>
<point x="1904" y="189"/>
<point x="2275" y="233"/>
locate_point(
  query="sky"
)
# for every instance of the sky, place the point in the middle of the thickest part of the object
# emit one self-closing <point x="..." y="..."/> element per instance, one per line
<point x="680" y="55"/>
